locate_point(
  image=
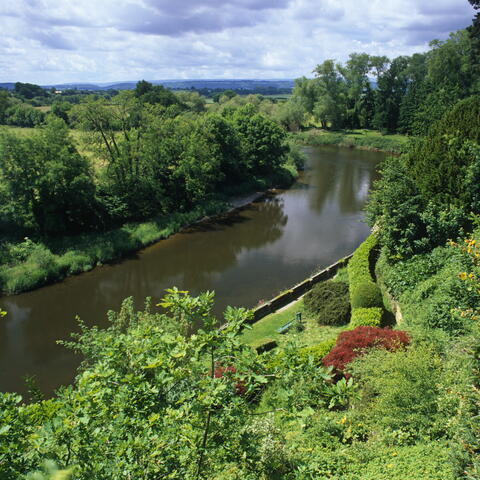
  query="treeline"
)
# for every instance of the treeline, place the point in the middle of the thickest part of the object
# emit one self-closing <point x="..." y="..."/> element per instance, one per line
<point x="429" y="195"/>
<point x="404" y="95"/>
<point x="20" y="107"/>
<point x="154" y="155"/>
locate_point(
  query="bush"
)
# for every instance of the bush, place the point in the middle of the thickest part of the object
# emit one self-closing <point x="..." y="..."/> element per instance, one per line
<point x="353" y="343"/>
<point x="317" y="351"/>
<point x="359" y="269"/>
<point x="329" y="302"/>
<point x="366" y="317"/>
<point x="400" y="393"/>
<point x="366" y="295"/>
<point x="359" y="265"/>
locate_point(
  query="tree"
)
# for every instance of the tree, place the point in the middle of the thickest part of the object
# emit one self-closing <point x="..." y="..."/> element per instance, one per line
<point x="474" y="32"/>
<point x="4" y="104"/>
<point x="150" y="401"/>
<point x="23" y="115"/>
<point x="262" y="140"/>
<point x="29" y="90"/>
<point x="449" y="63"/>
<point x="48" y="185"/>
<point x="391" y="88"/>
<point x="330" y="106"/>
<point x="306" y="93"/>
<point x="155" y="94"/>
<point x="290" y="114"/>
<point x="357" y="85"/>
<point x="61" y="109"/>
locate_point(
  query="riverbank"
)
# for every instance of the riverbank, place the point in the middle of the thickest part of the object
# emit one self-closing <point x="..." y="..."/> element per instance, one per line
<point x="360" y="139"/>
<point x="33" y="264"/>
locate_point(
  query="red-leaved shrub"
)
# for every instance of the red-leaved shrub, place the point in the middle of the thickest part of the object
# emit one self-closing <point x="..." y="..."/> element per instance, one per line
<point x="220" y="371"/>
<point x="352" y="343"/>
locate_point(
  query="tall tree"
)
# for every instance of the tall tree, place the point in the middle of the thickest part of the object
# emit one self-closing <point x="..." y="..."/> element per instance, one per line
<point x="330" y="106"/>
<point x="391" y="88"/>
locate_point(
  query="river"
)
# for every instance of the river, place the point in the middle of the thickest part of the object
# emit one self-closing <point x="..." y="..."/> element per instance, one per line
<point x="244" y="257"/>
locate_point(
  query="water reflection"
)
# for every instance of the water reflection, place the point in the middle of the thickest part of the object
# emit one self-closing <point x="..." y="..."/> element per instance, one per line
<point x="243" y="257"/>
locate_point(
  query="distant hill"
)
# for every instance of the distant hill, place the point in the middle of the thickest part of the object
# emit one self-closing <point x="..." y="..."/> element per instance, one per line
<point x="233" y="84"/>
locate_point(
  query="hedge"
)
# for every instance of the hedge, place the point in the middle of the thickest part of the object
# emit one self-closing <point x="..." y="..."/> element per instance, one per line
<point x="366" y="317"/>
<point x="366" y="295"/>
<point x="328" y="302"/>
<point x="364" y="292"/>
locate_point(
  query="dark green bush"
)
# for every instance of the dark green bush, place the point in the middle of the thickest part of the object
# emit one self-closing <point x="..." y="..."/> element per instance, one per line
<point x="329" y="302"/>
<point x="366" y="295"/>
<point x="366" y="317"/>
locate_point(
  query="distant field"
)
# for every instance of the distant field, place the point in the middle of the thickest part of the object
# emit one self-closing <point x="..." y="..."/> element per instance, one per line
<point x="282" y="96"/>
<point x="17" y="130"/>
<point x="78" y="137"/>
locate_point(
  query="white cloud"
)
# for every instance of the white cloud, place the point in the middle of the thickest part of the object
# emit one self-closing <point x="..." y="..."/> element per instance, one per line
<point x="47" y="41"/>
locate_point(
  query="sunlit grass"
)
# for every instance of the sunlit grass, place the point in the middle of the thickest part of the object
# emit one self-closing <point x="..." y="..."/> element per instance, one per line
<point x="266" y="329"/>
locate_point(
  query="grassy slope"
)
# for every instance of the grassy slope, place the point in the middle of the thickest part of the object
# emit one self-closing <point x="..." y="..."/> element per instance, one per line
<point x="362" y="139"/>
<point x="266" y="328"/>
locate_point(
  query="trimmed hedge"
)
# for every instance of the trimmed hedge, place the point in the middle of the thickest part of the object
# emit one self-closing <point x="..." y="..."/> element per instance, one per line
<point x="366" y="317"/>
<point x="364" y="292"/>
<point x="359" y="264"/>
<point x="366" y="295"/>
<point x="329" y="303"/>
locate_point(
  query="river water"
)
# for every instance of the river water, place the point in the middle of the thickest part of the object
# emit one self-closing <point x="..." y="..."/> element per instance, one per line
<point x="244" y="257"/>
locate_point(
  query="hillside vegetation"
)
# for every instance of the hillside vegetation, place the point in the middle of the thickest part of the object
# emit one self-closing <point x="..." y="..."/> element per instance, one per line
<point x="380" y="380"/>
<point x="357" y="400"/>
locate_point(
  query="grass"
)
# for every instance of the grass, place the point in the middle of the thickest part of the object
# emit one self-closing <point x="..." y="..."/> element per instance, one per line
<point x="361" y="139"/>
<point x="266" y="329"/>
<point x="43" y="263"/>
<point x="78" y="136"/>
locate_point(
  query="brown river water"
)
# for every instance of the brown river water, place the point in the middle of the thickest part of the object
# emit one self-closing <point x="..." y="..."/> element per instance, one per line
<point x="246" y="256"/>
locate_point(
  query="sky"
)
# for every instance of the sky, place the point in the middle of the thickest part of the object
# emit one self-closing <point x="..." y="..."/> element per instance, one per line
<point x="59" y="41"/>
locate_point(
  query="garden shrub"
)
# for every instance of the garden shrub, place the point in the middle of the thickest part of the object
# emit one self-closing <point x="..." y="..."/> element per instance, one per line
<point x="318" y="351"/>
<point x="329" y="302"/>
<point x="364" y="292"/>
<point x="400" y="393"/>
<point x="359" y="264"/>
<point x="280" y="359"/>
<point x="366" y="295"/>
<point x="230" y="371"/>
<point x="353" y="343"/>
<point x="366" y="317"/>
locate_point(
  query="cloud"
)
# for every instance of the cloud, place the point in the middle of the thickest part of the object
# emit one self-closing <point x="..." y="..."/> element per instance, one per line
<point x="47" y="41"/>
<point x="172" y="18"/>
<point x="53" y="40"/>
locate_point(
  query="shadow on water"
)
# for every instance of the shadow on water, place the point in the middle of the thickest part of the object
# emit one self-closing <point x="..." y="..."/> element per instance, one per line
<point x="247" y="255"/>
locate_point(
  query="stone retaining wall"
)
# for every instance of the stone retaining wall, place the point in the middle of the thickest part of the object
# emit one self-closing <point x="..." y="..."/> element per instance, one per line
<point x="298" y="290"/>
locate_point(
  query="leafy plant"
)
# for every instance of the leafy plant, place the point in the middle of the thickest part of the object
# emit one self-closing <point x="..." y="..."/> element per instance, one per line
<point x="366" y="295"/>
<point x="353" y="343"/>
<point x="329" y="303"/>
<point x="366" y="317"/>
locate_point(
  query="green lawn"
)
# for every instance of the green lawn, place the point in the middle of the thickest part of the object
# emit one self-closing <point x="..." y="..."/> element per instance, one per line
<point x="266" y="328"/>
<point x="362" y="139"/>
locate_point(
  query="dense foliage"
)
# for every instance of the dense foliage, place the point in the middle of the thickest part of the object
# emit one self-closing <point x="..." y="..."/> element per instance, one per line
<point x="366" y="317"/>
<point x="353" y="343"/>
<point x="427" y="196"/>
<point x="329" y="303"/>
<point x="405" y="94"/>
